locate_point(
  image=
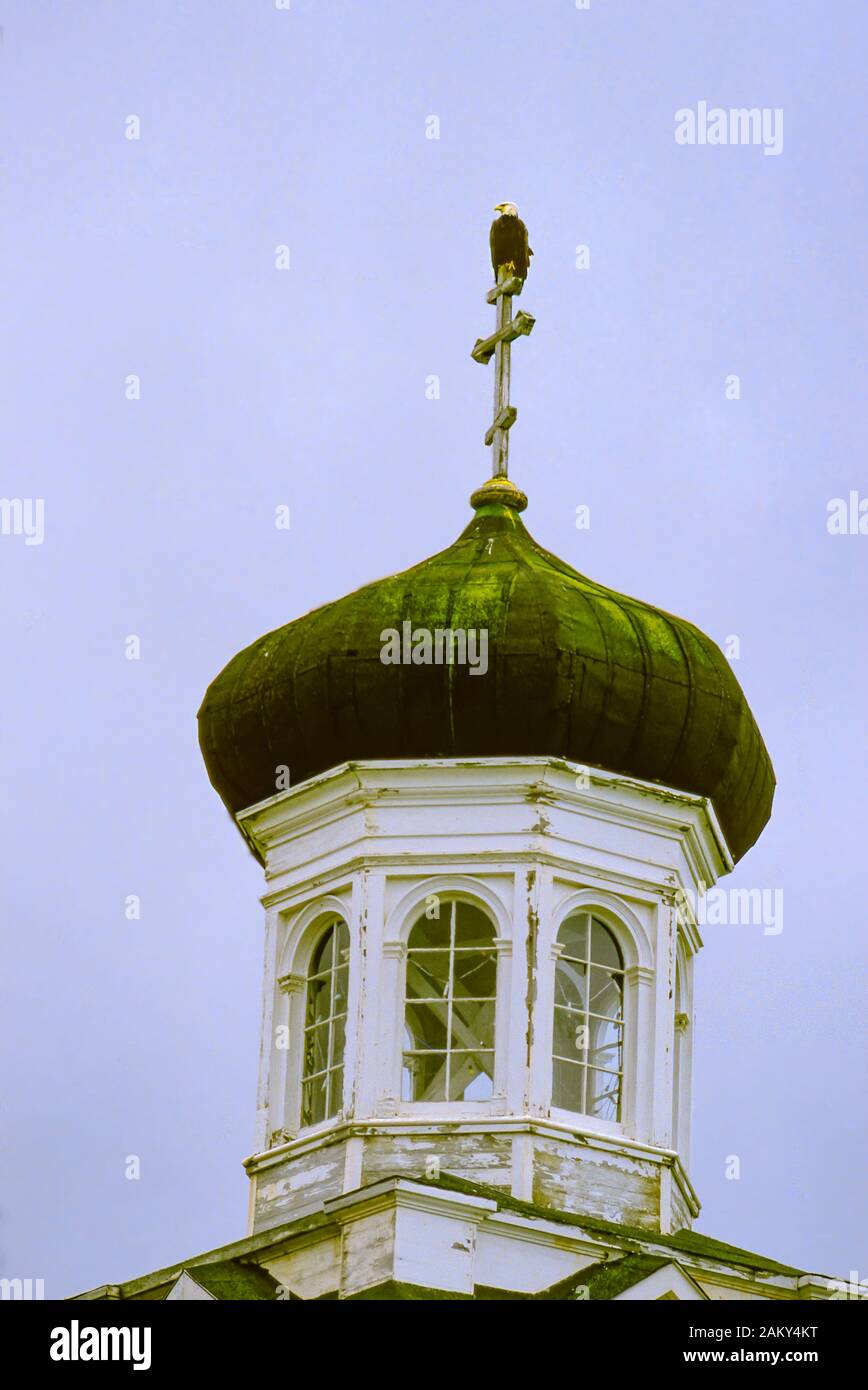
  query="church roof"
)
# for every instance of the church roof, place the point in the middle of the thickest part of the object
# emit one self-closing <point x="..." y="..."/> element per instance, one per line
<point x="635" y="1255"/>
<point x="234" y="1280"/>
<point x="574" y="671"/>
<point x="631" y="1238"/>
<point x="597" y="1283"/>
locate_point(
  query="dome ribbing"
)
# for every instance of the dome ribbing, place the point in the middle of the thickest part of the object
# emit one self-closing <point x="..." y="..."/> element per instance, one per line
<point x="575" y="671"/>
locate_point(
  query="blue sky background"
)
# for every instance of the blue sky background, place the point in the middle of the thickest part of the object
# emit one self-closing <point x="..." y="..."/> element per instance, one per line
<point x="259" y="387"/>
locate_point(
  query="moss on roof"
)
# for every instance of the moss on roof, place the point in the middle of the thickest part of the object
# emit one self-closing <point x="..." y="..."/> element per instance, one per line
<point x="604" y="1281"/>
<point x="632" y="1239"/>
<point x="235" y="1280"/>
<point x="688" y="1242"/>
<point x="394" y="1291"/>
<point x="574" y="670"/>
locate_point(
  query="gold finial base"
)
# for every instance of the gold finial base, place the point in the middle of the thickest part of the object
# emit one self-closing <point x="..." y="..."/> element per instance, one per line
<point x="499" y="491"/>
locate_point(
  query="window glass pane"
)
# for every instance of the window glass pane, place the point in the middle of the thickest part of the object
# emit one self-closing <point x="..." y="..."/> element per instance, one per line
<point x="314" y="1100"/>
<point x="573" y="935"/>
<point x="322" y="956"/>
<point x="606" y="993"/>
<point x="604" y="948"/>
<point x="424" y="1076"/>
<point x="336" y="1090"/>
<point x="339" y="1028"/>
<point x="471" y="1074"/>
<point x="475" y="974"/>
<point x="482" y="1087"/>
<point x="426" y="1025"/>
<point x="605" y="1044"/>
<point x="472" y="1024"/>
<point x="316" y="1049"/>
<point x="433" y="931"/>
<point x="427" y="974"/>
<point x="570" y="1035"/>
<point x="571" y="984"/>
<point x="472" y="926"/>
<point x="343" y="935"/>
<point x="568" y="1079"/>
<point x="318" y="1001"/>
<point x="341" y="986"/>
<point x="604" y="1094"/>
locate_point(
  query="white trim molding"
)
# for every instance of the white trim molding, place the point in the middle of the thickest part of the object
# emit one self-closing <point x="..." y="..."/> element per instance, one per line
<point x="371" y="843"/>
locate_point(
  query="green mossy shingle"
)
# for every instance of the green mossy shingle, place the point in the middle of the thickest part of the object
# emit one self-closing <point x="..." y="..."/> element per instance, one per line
<point x="576" y="671"/>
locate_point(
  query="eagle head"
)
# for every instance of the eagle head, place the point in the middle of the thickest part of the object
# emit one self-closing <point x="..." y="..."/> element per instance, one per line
<point x="508" y="209"/>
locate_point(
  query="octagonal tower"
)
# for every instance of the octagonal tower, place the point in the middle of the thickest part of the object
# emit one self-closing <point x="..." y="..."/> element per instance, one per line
<point x="507" y="785"/>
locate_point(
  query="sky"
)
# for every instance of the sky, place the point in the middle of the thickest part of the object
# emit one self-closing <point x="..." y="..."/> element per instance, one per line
<point x="309" y="387"/>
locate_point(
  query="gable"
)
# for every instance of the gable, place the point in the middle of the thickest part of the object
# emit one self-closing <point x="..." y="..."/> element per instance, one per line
<point x="186" y="1290"/>
<point x="669" y="1283"/>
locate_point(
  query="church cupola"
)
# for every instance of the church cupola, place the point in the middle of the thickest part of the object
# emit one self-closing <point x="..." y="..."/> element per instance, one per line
<point x="507" y="783"/>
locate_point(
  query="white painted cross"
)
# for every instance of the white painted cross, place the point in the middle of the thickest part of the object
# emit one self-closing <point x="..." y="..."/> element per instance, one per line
<point x="498" y="346"/>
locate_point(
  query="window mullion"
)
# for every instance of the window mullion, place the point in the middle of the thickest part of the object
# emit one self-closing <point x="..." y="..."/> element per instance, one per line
<point x="449" y="994"/>
<point x="333" y="976"/>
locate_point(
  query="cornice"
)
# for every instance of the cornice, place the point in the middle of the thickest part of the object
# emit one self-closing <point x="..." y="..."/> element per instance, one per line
<point x="383" y="1126"/>
<point x="622" y="800"/>
<point x="492" y="862"/>
<point x="403" y="1192"/>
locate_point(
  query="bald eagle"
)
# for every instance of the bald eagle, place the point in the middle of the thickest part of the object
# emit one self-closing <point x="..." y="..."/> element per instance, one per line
<point x="508" y="240"/>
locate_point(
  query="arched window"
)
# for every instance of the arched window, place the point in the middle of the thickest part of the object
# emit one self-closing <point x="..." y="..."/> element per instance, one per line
<point x="449" y="1006"/>
<point x="588" y="1035"/>
<point x="325" y="1022"/>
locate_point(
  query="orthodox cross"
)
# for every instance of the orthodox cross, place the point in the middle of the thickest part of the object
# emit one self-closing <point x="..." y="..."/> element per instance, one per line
<point x="498" y="346"/>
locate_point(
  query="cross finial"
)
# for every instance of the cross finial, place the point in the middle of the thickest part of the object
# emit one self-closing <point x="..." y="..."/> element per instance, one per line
<point x="510" y="255"/>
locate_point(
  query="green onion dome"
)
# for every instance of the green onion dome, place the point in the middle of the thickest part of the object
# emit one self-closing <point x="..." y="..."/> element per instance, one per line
<point x="567" y="669"/>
